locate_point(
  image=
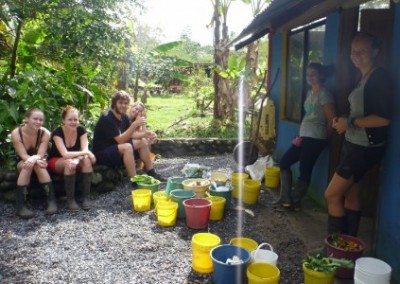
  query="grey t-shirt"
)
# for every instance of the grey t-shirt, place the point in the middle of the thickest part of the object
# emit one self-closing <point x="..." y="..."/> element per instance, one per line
<point x="314" y="123"/>
<point x="357" y="135"/>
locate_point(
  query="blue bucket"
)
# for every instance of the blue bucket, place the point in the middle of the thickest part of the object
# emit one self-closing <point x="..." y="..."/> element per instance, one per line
<point x="229" y="273"/>
<point x="180" y="195"/>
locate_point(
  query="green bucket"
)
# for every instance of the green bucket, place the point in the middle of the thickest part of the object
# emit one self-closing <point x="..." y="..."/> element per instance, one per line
<point x="178" y="196"/>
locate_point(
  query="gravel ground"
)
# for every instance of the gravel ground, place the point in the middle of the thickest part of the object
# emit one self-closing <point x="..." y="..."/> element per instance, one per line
<point x="112" y="244"/>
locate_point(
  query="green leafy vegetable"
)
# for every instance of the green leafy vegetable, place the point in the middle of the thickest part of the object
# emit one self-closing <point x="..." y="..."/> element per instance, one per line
<point x="326" y="264"/>
<point x="145" y="179"/>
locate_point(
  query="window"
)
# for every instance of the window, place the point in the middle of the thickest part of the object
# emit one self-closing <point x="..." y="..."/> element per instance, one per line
<point x="305" y="45"/>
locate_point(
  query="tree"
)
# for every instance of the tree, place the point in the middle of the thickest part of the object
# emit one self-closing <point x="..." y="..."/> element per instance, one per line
<point x="252" y="52"/>
<point x="223" y="102"/>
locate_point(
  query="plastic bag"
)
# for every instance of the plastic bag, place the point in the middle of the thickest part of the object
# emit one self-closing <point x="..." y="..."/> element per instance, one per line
<point x="257" y="170"/>
<point x="194" y="171"/>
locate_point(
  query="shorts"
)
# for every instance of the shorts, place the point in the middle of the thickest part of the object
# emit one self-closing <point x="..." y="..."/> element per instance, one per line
<point x="51" y="164"/>
<point x="356" y="160"/>
<point x="111" y="157"/>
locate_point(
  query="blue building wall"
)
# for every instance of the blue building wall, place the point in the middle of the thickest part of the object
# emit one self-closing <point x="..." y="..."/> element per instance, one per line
<point x="388" y="228"/>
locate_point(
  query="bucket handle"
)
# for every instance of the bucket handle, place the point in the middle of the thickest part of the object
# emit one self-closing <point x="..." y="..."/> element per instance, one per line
<point x="262" y="245"/>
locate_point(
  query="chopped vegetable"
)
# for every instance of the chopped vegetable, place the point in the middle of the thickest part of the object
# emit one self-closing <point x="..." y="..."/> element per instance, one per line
<point x="144" y="179"/>
<point x="345" y="244"/>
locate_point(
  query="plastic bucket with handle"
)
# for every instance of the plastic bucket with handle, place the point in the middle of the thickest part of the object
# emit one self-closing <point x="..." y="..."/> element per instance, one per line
<point x="223" y="191"/>
<point x="272" y="177"/>
<point x="166" y="212"/>
<point x="160" y="196"/>
<point x="229" y="264"/>
<point x="197" y="212"/>
<point x="202" y="244"/>
<point x="251" y="191"/>
<point x="263" y="273"/>
<point x="264" y="255"/>
<point x="217" y="207"/>
<point x="237" y="183"/>
<point x="246" y="243"/>
<point x="179" y="195"/>
<point x="141" y="199"/>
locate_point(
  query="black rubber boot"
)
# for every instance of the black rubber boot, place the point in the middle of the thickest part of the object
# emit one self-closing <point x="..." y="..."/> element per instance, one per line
<point x="69" y="183"/>
<point x="51" y="198"/>
<point x="20" y="198"/>
<point x="286" y="187"/>
<point x="353" y="218"/>
<point x="297" y="194"/>
<point x="155" y="175"/>
<point x="86" y="181"/>
<point x="336" y="224"/>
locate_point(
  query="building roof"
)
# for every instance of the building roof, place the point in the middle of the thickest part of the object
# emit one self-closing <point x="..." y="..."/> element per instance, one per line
<point x="288" y="13"/>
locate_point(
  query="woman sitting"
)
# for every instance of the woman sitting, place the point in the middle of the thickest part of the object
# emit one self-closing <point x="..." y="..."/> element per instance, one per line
<point x="70" y="153"/>
<point x="30" y="141"/>
<point x="142" y="139"/>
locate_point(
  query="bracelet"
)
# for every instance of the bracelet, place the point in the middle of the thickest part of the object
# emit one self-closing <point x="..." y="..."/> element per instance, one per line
<point x="350" y="121"/>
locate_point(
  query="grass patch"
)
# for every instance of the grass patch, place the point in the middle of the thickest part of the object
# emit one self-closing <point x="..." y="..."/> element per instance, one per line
<point x="176" y="116"/>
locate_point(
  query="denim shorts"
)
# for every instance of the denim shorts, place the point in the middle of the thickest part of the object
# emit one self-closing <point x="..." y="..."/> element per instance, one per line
<point x="356" y="160"/>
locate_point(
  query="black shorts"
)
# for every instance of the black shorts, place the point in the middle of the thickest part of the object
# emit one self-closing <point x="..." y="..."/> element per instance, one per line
<point x="111" y="157"/>
<point x="356" y="160"/>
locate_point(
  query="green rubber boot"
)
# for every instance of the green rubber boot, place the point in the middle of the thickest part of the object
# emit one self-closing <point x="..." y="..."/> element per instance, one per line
<point x="286" y="187"/>
<point x="86" y="181"/>
<point x="51" y="198"/>
<point x="20" y="198"/>
<point x="69" y="183"/>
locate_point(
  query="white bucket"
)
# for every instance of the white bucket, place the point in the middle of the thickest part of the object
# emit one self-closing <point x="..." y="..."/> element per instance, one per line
<point x="264" y="255"/>
<point x="369" y="270"/>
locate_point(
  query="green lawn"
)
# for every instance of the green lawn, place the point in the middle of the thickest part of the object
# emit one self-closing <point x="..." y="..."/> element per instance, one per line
<point x="177" y="116"/>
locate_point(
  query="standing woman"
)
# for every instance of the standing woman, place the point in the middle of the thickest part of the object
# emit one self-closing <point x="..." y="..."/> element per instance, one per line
<point x="365" y="131"/>
<point x="30" y="141"/>
<point x="70" y="153"/>
<point x="315" y="130"/>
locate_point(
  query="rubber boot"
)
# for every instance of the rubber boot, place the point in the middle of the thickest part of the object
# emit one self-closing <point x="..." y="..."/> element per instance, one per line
<point x="336" y="224"/>
<point x="286" y="187"/>
<point x="298" y="192"/>
<point x="51" y="198"/>
<point x="86" y="181"/>
<point x="353" y="218"/>
<point x="69" y="183"/>
<point x="20" y="198"/>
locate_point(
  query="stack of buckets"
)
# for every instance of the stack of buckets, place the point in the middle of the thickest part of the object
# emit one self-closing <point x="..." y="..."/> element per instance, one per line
<point x="369" y="270"/>
<point x="244" y="188"/>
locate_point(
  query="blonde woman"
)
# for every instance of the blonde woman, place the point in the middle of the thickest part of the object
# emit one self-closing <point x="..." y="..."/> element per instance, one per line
<point x="30" y="141"/>
<point x="70" y="154"/>
<point x="142" y="139"/>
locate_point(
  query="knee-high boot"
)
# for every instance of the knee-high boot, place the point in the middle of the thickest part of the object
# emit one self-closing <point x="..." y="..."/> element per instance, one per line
<point x="51" y="197"/>
<point x="286" y="187"/>
<point x="86" y="181"/>
<point x="20" y="198"/>
<point x="69" y="183"/>
<point x="299" y="191"/>
<point x="353" y="218"/>
<point x="336" y="224"/>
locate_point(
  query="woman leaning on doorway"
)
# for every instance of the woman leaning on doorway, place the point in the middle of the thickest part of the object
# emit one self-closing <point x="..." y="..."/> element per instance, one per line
<point x="365" y="130"/>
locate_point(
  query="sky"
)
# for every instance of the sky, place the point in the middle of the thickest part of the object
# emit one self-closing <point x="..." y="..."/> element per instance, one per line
<point x="175" y="16"/>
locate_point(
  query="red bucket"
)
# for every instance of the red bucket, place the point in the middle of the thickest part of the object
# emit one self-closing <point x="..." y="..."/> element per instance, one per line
<point x="339" y="252"/>
<point x="197" y="212"/>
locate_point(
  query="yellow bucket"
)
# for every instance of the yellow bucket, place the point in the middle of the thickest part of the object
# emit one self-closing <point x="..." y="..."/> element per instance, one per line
<point x="160" y="196"/>
<point x="317" y="277"/>
<point x="251" y="191"/>
<point x="272" y="177"/>
<point x="217" y="207"/>
<point x="141" y="199"/>
<point x="246" y="243"/>
<point x="166" y="212"/>
<point x="237" y="183"/>
<point x="263" y="273"/>
<point x="202" y="244"/>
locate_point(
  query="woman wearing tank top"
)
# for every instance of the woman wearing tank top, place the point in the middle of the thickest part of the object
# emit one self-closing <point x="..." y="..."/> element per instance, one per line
<point x="30" y="141"/>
